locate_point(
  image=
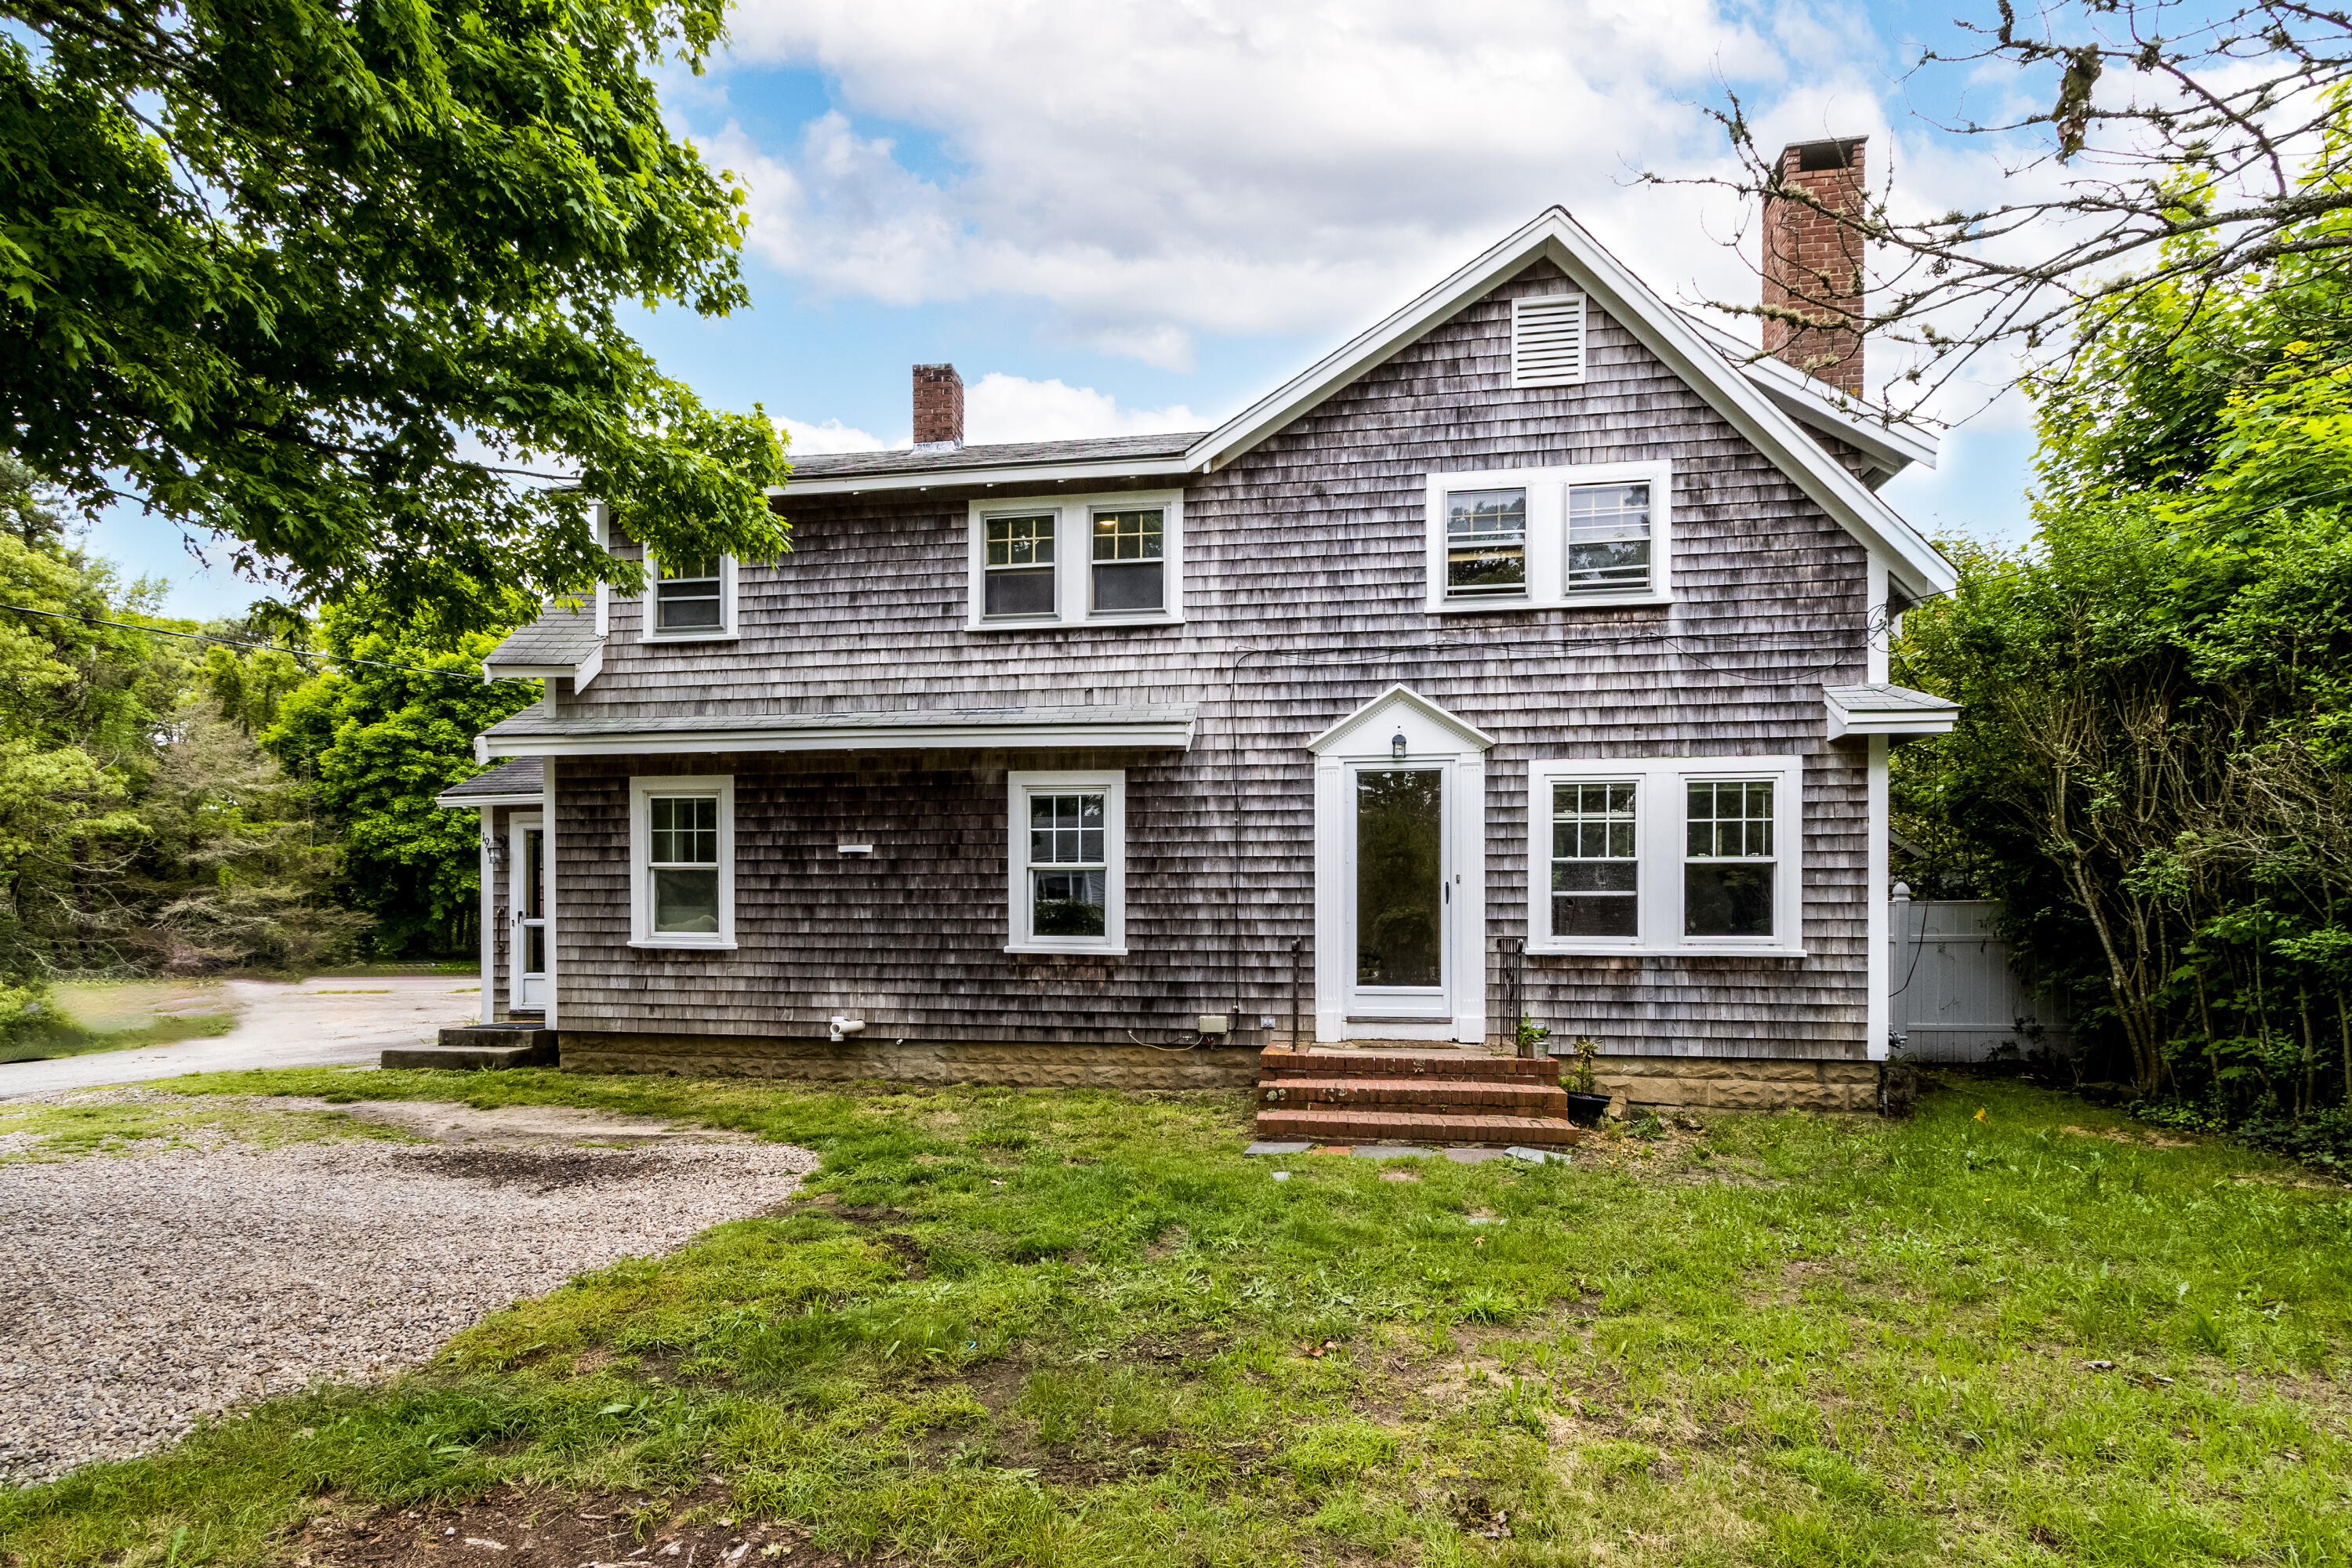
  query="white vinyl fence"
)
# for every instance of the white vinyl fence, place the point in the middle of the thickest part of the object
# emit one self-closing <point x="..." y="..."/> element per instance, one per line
<point x="1956" y="998"/>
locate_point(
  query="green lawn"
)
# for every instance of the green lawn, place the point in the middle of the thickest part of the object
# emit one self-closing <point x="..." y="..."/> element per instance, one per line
<point x="119" y="1014"/>
<point x="1070" y="1328"/>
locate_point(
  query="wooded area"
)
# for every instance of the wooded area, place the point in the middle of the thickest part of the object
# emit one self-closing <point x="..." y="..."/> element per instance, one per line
<point x="2150" y="771"/>
<point x="169" y="805"/>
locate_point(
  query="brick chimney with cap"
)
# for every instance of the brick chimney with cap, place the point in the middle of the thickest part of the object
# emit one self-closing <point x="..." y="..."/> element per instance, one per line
<point x="938" y="407"/>
<point x="1812" y="263"/>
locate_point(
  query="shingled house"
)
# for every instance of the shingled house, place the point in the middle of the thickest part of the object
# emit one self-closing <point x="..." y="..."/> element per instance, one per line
<point x="1527" y="654"/>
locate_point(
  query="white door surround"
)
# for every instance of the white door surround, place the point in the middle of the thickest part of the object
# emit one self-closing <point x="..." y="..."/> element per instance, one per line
<point x="527" y="956"/>
<point x="1348" y="757"/>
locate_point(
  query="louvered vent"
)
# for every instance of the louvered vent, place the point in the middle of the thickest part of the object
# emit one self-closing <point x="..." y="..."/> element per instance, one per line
<point x="1548" y="341"/>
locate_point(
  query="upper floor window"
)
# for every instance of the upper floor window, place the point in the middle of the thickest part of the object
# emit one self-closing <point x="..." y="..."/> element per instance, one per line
<point x="1074" y="560"/>
<point x="1671" y="855"/>
<point x="1545" y="538"/>
<point x="693" y="598"/>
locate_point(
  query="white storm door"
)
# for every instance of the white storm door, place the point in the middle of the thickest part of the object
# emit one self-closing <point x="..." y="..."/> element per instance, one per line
<point x="1399" y="893"/>
<point x="527" y="907"/>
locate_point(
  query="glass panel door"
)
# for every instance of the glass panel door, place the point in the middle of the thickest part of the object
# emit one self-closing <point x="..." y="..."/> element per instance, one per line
<point x="1399" y="891"/>
<point x="527" y="990"/>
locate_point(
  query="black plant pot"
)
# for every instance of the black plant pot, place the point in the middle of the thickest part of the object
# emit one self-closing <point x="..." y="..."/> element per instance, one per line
<point x="1585" y="1110"/>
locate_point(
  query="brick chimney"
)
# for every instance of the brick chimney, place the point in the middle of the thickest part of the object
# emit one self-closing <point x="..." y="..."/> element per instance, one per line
<point x="1812" y="263"/>
<point x="939" y="406"/>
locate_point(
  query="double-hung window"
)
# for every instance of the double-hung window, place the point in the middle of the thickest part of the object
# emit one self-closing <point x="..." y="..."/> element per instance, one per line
<point x="1113" y="560"/>
<point x="1018" y="579"/>
<point x="1690" y="855"/>
<point x="1068" y="891"/>
<point x="682" y="862"/>
<point x="1518" y="538"/>
<point x="692" y="598"/>
<point x="1486" y="543"/>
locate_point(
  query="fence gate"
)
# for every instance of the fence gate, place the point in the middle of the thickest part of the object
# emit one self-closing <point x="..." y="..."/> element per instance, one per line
<point x="1955" y="996"/>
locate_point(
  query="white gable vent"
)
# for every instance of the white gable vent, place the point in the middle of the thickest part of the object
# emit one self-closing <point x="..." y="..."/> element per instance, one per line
<point x="1548" y="341"/>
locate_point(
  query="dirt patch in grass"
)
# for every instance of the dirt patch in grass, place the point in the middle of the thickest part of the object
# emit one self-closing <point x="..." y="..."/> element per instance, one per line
<point x="519" y="1529"/>
<point x="542" y="1170"/>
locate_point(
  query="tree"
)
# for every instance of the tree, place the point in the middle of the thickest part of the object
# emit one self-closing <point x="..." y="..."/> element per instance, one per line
<point x="2153" y="770"/>
<point x="338" y="281"/>
<point x="376" y="744"/>
<point x="2175" y="154"/>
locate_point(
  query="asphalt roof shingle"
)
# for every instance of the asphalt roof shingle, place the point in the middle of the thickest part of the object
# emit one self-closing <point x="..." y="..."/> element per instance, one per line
<point x="949" y="460"/>
<point x="563" y="634"/>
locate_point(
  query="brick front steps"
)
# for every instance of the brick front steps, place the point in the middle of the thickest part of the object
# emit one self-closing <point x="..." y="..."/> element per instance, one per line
<point x="1438" y="1098"/>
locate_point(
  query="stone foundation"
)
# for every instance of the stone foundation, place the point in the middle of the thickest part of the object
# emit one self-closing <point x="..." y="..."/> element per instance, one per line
<point x="1736" y="1083"/>
<point x="1025" y="1066"/>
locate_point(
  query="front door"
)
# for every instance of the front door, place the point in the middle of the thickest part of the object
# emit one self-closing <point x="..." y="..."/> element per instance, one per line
<point x="1399" y="893"/>
<point x="527" y="898"/>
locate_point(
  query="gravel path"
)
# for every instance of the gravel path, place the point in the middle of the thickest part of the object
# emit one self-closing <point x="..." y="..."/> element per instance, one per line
<point x="145" y="1290"/>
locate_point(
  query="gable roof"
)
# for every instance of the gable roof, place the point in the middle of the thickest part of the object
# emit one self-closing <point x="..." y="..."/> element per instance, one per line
<point x="1554" y="237"/>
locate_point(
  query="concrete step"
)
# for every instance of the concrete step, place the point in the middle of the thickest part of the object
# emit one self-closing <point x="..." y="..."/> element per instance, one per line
<point x="1351" y="1126"/>
<point x="1275" y="1061"/>
<point x="1522" y="1097"/>
<point x="479" y="1048"/>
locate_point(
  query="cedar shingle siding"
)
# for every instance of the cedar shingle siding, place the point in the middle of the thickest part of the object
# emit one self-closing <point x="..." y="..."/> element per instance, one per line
<point x="1305" y="590"/>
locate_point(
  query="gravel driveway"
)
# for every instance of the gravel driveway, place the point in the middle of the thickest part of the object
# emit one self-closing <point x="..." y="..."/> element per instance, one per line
<point x="145" y="1290"/>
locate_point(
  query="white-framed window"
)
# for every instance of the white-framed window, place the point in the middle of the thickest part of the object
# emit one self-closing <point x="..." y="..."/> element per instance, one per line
<point x="689" y="601"/>
<point x="1067" y="862"/>
<point x="1689" y="855"/>
<point x="1104" y="560"/>
<point x="1518" y="538"/>
<point x="682" y="862"/>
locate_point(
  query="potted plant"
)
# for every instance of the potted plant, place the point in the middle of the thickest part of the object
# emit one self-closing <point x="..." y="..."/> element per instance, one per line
<point x="1584" y="1104"/>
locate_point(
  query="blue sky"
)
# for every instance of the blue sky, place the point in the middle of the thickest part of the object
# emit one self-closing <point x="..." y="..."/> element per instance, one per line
<point x="1117" y="216"/>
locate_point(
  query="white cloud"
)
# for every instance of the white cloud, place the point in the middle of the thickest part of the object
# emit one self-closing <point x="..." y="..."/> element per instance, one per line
<point x="1153" y="172"/>
<point x="810" y="438"/>
<point x="999" y="407"/>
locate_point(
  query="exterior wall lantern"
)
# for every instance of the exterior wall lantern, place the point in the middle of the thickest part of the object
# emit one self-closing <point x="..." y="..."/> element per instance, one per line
<point x="1396" y="746"/>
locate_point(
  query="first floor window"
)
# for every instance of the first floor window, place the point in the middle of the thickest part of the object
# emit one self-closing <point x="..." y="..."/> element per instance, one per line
<point x="690" y="595"/>
<point x="1728" y="874"/>
<point x="1486" y="543"/>
<point x="1678" y="854"/>
<point x="682" y="835"/>
<point x="1018" y="579"/>
<point x="1067" y="856"/>
<point x="1127" y="564"/>
<point x="1596" y="858"/>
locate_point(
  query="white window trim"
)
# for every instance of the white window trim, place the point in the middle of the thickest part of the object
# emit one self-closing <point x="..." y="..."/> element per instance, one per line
<point x="1073" y="560"/>
<point x="641" y="884"/>
<point x="1112" y="786"/>
<point x="1548" y="535"/>
<point x="727" y="630"/>
<point x="1659" y="807"/>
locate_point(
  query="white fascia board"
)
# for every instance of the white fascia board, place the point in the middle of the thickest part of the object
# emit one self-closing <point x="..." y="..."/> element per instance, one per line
<point x="527" y="671"/>
<point x="1159" y="735"/>
<point x="1662" y="330"/>
<point x="1889" y="721"/>
<point x="962" y="479"/>
<point x="479" y="802"/>
<point x="1894" y="446"/>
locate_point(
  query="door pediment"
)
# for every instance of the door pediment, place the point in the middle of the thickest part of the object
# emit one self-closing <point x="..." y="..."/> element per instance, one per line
<point x="1428" y="730"/>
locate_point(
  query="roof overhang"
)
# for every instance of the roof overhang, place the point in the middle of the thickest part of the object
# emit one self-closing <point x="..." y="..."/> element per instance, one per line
<point x="985" y="479"/>
<point x="1012" y="729"/>
<point x="1554" y="237"/>
<point x="475" y="802"/>
<point x="1887" y="710"/>
<point x="1891" y="448"/>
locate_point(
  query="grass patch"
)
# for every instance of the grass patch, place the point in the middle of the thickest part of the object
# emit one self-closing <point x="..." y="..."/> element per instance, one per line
<point x="145" y="1122"/>
<point x="1075" y="1328"/>
<point x="122" y="1014"/>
